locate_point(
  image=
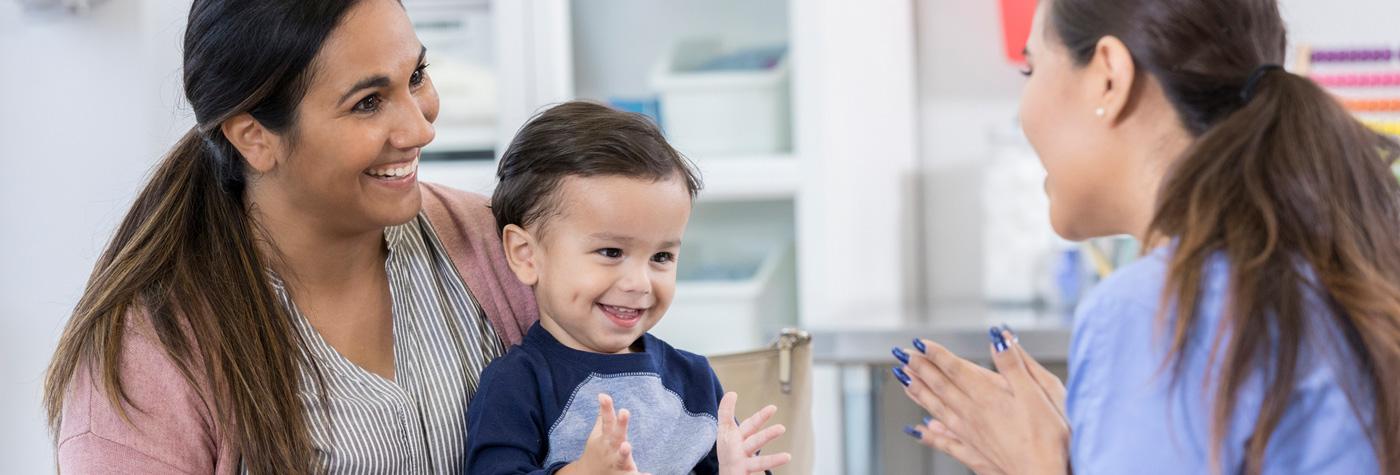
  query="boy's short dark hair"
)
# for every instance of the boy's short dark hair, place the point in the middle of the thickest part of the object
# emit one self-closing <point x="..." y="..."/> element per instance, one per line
<point x="580" y="139"/>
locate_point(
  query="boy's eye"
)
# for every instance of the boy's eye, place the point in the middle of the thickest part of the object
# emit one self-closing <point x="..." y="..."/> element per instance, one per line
<point x="610" y="253"/>
<point x="663" y="257"/>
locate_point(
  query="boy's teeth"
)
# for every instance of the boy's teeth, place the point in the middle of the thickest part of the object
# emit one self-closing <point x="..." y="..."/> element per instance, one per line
<point x="622" y="310"/>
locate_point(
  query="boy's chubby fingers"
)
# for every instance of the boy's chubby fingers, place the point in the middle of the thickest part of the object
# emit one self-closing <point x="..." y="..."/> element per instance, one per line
<point x="624" y="458"/>
<point x="607" y="417"/>
<point x="756" y="442"/>
<point x="619" y="431"/>
<point x="726" y="410"/>
<point x="757" y="420"/>
<point x="768" y="462"/>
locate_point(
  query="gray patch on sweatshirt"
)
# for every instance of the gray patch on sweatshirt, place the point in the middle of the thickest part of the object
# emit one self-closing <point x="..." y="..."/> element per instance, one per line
<point x="666" y="439"/>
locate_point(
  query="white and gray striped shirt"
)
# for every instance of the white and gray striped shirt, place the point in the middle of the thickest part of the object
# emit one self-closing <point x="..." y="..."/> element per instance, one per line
<point x="416" y="424"/>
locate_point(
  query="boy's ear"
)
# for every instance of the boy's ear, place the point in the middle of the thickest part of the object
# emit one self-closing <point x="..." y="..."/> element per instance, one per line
<point x="520" y="253"/>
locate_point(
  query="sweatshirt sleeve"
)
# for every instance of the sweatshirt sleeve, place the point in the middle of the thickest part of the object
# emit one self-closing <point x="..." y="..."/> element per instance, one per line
<point x="505" y="425"/>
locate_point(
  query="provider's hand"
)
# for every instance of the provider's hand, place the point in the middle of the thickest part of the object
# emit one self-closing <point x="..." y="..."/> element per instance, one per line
<point x="1008" y="421"/>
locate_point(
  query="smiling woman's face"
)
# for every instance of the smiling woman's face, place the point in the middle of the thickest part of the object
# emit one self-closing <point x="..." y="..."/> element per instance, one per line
<point x="351" y="160"/>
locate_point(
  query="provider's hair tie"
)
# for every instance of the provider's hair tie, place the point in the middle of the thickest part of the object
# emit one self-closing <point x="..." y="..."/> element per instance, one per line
<point x="1247" y="93"/>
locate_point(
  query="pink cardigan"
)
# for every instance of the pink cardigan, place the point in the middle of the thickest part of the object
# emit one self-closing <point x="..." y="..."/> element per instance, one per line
<point x="174" y="431"/>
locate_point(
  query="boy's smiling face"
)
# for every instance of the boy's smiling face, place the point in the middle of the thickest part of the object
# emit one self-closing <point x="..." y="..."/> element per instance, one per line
<point x="603" y="264"/>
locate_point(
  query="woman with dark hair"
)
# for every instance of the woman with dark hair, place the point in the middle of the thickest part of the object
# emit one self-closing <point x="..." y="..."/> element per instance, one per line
<point x="1260" y="330"/>
<point x="284" y="296"/>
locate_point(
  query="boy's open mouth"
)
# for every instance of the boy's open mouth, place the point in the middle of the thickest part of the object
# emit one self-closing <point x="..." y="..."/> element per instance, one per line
<point x="625" y="317"/>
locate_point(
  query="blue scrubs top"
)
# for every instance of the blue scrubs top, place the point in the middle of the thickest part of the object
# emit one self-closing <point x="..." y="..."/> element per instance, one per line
<point x="1126" y="416"/>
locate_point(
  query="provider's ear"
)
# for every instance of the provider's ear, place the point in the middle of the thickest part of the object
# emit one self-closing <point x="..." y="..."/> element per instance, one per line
<point x="1112" y="75"/>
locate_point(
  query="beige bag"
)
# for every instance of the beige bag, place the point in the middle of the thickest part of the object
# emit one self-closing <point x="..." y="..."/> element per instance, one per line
<point x="780" y="375"/>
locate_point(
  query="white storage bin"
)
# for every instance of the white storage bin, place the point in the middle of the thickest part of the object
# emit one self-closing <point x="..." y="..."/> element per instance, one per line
<point x="724" y="112"/>
<point x="709" y="316"/>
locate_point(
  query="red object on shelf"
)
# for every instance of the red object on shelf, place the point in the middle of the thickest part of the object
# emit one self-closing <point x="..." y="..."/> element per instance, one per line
<point x="1016" y="17"/>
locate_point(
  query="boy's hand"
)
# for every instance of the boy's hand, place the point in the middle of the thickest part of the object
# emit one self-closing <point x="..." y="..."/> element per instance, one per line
<point x="607" y="450"/>
<point x="737" y="444"/>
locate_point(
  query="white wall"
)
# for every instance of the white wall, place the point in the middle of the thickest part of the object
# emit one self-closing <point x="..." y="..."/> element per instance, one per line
<point x="966" y="90"/>
<point x="610" y="61"/>
<point x="89" y="103"/>
<point x="1343" y="22"/>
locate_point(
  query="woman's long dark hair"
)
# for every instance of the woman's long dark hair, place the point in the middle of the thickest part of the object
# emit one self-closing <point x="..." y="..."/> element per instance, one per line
<point x="1284" y="183"/>
<point x="185" y="255"/>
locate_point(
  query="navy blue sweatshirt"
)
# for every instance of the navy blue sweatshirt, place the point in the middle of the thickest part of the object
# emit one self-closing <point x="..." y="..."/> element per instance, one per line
<point x="536" y="405"/>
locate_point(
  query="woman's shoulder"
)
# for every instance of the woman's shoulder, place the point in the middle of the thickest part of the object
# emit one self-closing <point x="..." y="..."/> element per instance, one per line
<point x="1138" y="284"/>
<point x="164" y="424"/>
<point x="462" y="219"/>
<point x="1117" y="349"/>
<point x="1137" y="289"/>
<point x="460" y="204"/>
<point x="463" y="223"/>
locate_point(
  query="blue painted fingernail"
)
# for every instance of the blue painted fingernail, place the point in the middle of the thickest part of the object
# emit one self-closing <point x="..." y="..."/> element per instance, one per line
<point x="899" y="374"/>
<point x="900" y="355"/>
<point x="928" y="420"/>
<point x="1008" y="329"/>
<point x="913" y="432"/>
<point x="919" y="345"/>
<point x="998" y="343"/>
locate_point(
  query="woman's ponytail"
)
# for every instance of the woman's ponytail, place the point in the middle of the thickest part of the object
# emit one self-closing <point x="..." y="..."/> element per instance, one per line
<point x="1297" y="195"/>
<point x="185" y="258"/>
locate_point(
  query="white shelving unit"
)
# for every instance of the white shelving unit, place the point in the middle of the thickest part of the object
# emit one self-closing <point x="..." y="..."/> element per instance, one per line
<point x="458" y="35"/>
<point x="732" y="179"/>
<point x="548" y="51"/>
<point x="457" y="139"/>
<point x="477" y="176"/>
<point x="750" y="178"/>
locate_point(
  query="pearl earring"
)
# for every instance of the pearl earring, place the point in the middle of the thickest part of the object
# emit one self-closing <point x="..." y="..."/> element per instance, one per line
<point x="1099" y="112"/>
